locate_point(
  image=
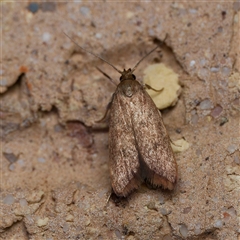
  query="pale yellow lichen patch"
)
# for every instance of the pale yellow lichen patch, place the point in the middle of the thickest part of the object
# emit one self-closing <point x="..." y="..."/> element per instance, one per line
<point x="42" y="222"/>
<point x="232" y="182"/>
<point x="158" y="76"/>
<point x="179" y="145"/>
<point x="129" y="15"/>
<point x="234" y="81"/>
<point x="209" y="118"/>
<point x="69" y="218"/>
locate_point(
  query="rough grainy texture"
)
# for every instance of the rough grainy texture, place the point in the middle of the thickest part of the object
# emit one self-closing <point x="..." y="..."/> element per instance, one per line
<point x="54" y="172"/>
<point x="139" y="146"/>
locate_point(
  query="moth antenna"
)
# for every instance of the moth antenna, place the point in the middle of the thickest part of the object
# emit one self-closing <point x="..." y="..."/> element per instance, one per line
<point x="93" y="54"/>
<point x="142" y="59"/>
<point x="106" y="75"/>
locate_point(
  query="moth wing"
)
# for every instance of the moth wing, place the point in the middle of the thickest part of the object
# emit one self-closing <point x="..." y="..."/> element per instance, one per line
<point x="157" y="161"/>
<point x="123" y="154"/>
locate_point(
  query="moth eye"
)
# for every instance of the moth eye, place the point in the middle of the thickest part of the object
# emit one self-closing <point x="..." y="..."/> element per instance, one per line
<point x="121" y="78"/>
<point x="134" y="77"/>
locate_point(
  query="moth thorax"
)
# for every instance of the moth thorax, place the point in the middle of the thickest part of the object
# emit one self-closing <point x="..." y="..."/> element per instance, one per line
<point x="129" y="87"/>
<point x="128" y="91"/>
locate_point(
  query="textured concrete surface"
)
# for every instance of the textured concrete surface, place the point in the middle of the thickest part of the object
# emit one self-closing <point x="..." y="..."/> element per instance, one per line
<point x="54" y="157"/>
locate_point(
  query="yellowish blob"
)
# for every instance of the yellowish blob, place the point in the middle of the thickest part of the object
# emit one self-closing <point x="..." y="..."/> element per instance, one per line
<point x="158" y="76"/>
<point x="180" y="145"/>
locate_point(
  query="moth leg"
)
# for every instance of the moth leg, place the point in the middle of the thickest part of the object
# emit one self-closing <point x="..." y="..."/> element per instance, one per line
<point x="174" y="143"/>
<point x="106" y="113"/>
<point x="149" y="87"/>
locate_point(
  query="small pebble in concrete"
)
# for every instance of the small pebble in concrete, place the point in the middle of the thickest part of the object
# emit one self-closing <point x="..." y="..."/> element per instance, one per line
<point x="9" y="199"/>
<point x="85" y="11"/>
<point x="205" y="104"/>
<point x="41" y="160"/>
<point x="192" y="63"/>
<point x="42" y="222"/>
<point x="11" y="157"/>
<point x="46" y="37"/>
<point x="33" y="7"/>
<point x="23" y="202"/>
<point x="232" y="148"/>
<point x="218" y="224"/>
<point x="183" y="230"/>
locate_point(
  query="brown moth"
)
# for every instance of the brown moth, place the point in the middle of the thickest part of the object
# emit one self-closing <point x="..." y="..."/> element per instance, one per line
<point x="139" y="146"/>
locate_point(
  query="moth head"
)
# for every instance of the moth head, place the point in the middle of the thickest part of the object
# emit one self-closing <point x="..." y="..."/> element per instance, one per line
<point x="127" y="75"/>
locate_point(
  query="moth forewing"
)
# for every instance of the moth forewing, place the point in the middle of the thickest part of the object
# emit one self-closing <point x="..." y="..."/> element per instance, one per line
<point x="123" y="153"/>
<point x="157" y="161"/>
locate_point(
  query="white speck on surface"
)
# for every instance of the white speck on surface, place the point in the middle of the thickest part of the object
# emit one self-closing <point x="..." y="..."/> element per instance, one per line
<point x="164" y="211"/>
<point x="236" y="160"/>
<point x="46" y="37"/>
<point x="69" y="218"/>
<point x="41" y="160"/>
<point x="205" y="113"/>
<point x="194" y="119"/>
<point x="192" y="63"/>
<point x="214" y="69"/>
<point x="151" y="32"/>
<point x="218" y="224"/>
<point x="65" y="227"/>
<point x="98" y="35"/>
<point x="232" y="148"/>
<point x="12" y="167"/>
<point x="9" y="199"/>
<point x="21" y="162"/>
<point x="23" y="202"/>
<point x="84" y="11"/>
<point x="197" y="229"/>
<point x="203" y="73"/>
<point x="192" y="10"/>
<point x="183" y="230"/>
<point x="226" y="71"/>
<point x="203" y="62"/>
<point x="206" y="104"/>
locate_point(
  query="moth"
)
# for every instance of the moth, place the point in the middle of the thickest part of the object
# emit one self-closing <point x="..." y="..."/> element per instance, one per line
<point x="139" y="145"/>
